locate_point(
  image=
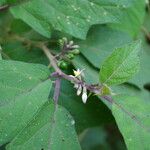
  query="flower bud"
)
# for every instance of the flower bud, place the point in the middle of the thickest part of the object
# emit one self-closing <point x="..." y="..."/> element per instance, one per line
<point x="75" y="51"/>
<point x="76" y="86"/>
<point x="70" y="56"/>
<point x="79" y="90"/>
<point x="84" y="95"/>
<point x="64" y="39"/>
<point x="71" y="43"/>
<point x="75" y="46"/>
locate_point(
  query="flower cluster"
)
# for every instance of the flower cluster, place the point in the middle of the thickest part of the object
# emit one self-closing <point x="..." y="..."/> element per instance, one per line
<point x="67" y="45"/>
<point x="81" y="88"/>
<point x="68" y="52"/>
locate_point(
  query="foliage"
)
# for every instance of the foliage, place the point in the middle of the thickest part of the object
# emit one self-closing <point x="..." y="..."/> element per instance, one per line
<point x="71" y="71"/>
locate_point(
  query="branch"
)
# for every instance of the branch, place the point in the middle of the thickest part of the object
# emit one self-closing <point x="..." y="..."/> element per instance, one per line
<point x="0" y="52"/>
<point x="3" y="8"/>
<point x="57" y="90"/>
<point x="132" y="116"/>
<point x="59" y="74"/>
<point x="51" y="58"/>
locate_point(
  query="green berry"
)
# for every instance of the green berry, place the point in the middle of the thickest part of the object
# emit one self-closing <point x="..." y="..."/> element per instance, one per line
<point x="65" y="39"/>
<point x="61" y="43"/>
<point x="75" y="51"/>
<point x="63" y="65"/>
<point x="70" y="56"/>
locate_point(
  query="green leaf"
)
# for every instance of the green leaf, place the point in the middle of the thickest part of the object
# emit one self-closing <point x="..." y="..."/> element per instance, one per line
<point x="60" y="19"/>
<point x="121" y="65"/>
<point x="96" y="44"/>
<point x="52" y="128"/>
<point x="135" y="130"/>
<point x="133" y="19"/>
<point x="19" y="27"/>
<point x="143" y="77"/>
<point x="16" y="51"/>
<point x="5" y="19"/>
<point x="2" y="2"/>
<point x="24" y="89"/>
<point x="80" y="15"/>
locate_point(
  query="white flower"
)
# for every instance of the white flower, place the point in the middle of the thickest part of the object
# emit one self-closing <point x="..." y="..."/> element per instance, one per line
<point x="76" y="86"/>
<point x="84" y="95"/>
<point x="71" y="43"/>
<point x="79" y="90"/>
<point x="78" y="72"/>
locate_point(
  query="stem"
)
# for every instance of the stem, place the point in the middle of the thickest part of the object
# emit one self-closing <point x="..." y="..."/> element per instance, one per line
<point x="0" y="53"/>
<point x="51" y="58"/>
<point x="5" y="7"/>
<point x="92" y="88"/>
<point x="60" y="74"/>
<point x="57" y="90"/>
<point x="132" y="116"/>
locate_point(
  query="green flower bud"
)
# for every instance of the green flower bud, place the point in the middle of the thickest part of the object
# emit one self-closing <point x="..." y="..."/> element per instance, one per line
<point x="70" y="56"/>
<point x="61" y="42"/>
<point x="65" y="39"/>
<point x="75" y="51"/>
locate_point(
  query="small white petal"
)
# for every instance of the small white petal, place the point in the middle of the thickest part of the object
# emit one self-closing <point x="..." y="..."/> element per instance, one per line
<point x="84" y="97"/>
<point x="68" y="46"/>
<point x="79" y="90"/>
<point x="75" y="46"/>
<point x="77" y="72"/>
<point x="76" y="86"/>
